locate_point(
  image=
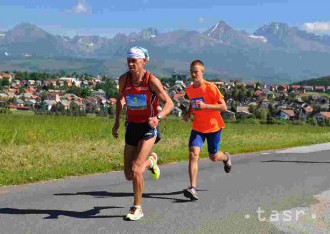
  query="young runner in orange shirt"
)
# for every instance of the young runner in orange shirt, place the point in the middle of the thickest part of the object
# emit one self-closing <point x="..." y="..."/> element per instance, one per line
<point x="206" y="103"/>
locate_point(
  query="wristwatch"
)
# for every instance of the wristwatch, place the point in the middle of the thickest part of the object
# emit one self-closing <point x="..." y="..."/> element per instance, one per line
<point x="159" y="117"/>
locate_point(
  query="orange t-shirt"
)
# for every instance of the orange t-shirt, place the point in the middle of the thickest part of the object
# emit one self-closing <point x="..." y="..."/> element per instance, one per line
<point x="205" y="121"/>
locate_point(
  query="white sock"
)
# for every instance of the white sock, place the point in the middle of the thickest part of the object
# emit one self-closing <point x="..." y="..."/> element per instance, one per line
<point x="137" y="206"/>
<point x="151" y="162"/>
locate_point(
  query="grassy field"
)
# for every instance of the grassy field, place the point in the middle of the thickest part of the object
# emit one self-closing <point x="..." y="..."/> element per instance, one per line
<point x="316" y="94"/>
<point x="35" y="148"/>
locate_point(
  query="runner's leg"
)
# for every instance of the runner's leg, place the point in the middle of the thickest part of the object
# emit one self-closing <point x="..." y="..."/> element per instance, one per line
<point x="129" y="156"/>
<point x="139" y="166"/>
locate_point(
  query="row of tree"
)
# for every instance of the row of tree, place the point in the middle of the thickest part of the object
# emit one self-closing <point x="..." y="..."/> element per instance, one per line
<point x="25" y="75"/>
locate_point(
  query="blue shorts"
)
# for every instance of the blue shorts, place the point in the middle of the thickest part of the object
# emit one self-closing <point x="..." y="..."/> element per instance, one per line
<point x="213" y="140"/>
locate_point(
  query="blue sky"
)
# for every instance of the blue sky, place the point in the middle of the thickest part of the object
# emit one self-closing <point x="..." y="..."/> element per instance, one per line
<point x="108" y="17"/>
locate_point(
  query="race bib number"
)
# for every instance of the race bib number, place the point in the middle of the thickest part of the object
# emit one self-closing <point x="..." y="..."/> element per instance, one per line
<point x="136" y="101"/>
<point x="193" y="102"/>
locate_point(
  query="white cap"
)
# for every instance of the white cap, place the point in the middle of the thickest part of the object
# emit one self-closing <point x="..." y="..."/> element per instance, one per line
<point x="138" y="52"/>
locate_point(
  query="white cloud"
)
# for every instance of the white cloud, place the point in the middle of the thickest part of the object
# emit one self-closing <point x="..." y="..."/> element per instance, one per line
<point x="317" y="27"/>
<point x="81" y="7"/>
<point x="201" y="19"/>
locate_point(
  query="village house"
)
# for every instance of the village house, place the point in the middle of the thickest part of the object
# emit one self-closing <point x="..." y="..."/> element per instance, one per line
<point x="325" y="107"/>
<point x="26" y="96"/>
<point x="30" y="103"/>
<point x="301" y="89"/>
<point x="61" y="83"/>
<point x="31" y="82"/>
<point x="228" y="114"/>
<point x="272" y="87"/>
<point x="285" y="114"/>
<point x="217" y="83"/>
<point x="38" y="83"/>
<point x="84" y="84"/>
<point x="242" y="111"/>
<point x="250" y="85"/>
<point x="295" y="87"/>
<point x="99" y="92"/>
<point x="19" y="102"/>
<point x="308" y="88"/>
<point x="308" y="109"/>
<point x="6" y="76"/>
<point x="323" y="115"/>
<point x="283" y="88"/>
<point x="320" y="89"/>
<point x="112" y="101"/>
<point x="264" y="104"/>
<point x="2" y="103"/>
<point x="300" y="115"/>
<point x="47" y="104"/>
<point x="323" y="99"/>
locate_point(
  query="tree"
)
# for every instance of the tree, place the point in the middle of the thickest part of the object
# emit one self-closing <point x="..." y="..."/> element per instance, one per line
<point x="252" y="108"/>
<point x="111" y="111"/>
<point x="257" y="86"/>
<point x="250" y="93"/>
<point x="261" y="114"/>
<point x="241" y="95"/>
<point x="85" y="92"/>
<point x="235" y="93"/>
<point x="74" y="107"/>
<point x="5" y="82"/>
<point x="316" y="108"/>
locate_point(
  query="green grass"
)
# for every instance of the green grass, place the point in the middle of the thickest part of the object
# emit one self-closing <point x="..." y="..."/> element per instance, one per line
<point x="22" y="112"/>
<point x="316" y="94"/>
<point x="35" y="148"/>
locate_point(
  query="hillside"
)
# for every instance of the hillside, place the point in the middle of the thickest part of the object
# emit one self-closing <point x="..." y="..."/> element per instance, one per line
<point x="322" y="81"/>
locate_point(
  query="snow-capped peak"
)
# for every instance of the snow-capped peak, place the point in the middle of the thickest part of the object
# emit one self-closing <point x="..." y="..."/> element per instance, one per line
<point x="215" y="27"/>
<point x="261" y="38"/>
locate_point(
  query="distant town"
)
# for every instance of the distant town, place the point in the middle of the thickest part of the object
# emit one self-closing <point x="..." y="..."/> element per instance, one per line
<point x="83" y="94"/>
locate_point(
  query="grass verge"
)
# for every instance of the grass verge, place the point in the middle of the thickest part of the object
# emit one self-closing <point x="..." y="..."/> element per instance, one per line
<point x="35" y="148"/>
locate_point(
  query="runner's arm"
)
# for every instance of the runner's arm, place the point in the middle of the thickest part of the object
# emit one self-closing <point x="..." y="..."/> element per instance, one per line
<point x="221" y="106"/>
<point x="157" y="87"/>
<point x="120" y="98"/>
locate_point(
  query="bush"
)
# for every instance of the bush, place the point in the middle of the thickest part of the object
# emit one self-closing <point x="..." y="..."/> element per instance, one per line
<point x="312" y="121"/>
<point x="298" y="122"/>
<point x="327" y="122"/>
<point x="242" y="118"/>
<point x="261" y="114"/>
<point x="281" y="121"/>
<point x="271" y="120"/>
<point x="263" y="121"/>
<point x="4" y="111"/>
<point x="251" y="121"/>
<point x="232" y="119"/>
<point x="322" y="122"/>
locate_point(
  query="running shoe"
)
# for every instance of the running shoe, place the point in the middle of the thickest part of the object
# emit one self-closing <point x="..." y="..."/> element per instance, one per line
<point x="227" y="163"/>
<point x="154" y="170"/>
<point x="134" y="214"/>
<point x="190" y="193"/>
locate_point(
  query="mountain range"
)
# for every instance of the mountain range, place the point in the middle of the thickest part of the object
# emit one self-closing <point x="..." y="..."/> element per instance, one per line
<point x="275" y="52"/>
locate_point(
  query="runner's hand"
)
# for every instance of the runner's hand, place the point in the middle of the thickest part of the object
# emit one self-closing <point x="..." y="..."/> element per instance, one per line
<point x="200" y="105"/>
<point x="115" y="129"/>
<point x="153" y="122"/>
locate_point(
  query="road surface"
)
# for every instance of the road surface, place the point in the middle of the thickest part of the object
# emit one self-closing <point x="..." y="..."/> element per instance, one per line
<point x="273" y="191"/>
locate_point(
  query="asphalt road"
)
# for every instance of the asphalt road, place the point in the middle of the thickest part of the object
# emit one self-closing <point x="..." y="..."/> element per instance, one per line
<point x="248" y="200"/>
